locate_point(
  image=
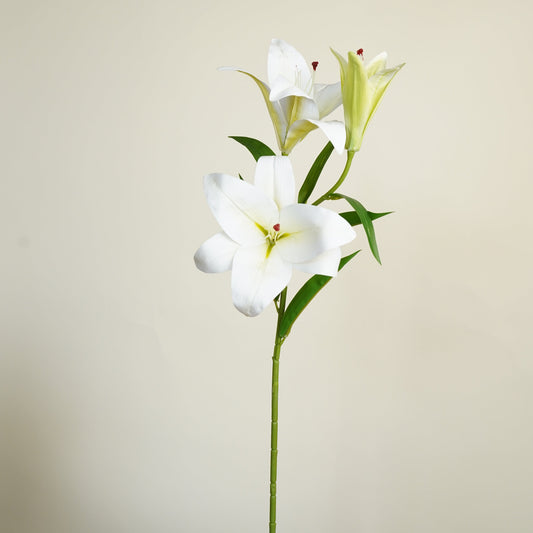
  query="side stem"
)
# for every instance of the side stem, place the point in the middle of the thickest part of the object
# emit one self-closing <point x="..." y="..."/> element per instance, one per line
<point x="274" y="418"/>
<point x="349" y="158"/>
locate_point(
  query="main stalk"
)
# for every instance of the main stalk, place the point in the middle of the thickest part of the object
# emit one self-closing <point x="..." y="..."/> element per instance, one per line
<point x="274" y="418"/>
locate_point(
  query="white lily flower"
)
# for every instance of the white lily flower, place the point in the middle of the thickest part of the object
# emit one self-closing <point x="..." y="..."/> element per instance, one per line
<point x="297" y="105"/>
<point x="265" y="234"/>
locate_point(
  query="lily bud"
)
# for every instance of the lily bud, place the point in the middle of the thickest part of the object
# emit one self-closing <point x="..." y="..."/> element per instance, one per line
<point x="362" y="89"/>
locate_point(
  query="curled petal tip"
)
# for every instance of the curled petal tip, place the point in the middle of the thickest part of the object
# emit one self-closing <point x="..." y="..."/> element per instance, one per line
<point x="225" y="68"/>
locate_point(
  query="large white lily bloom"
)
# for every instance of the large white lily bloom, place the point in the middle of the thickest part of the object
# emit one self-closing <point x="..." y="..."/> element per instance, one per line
<point x="297" y="105"/>
<point x="265" y="234"/>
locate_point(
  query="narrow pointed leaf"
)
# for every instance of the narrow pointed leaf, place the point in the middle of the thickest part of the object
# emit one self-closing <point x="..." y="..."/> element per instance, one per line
<point x="353" y="218"/>
<point x="366" y="220"/>
<point x="256" y="148"/>
<point x="314" y="173"/>
<point x="304" y="296"/>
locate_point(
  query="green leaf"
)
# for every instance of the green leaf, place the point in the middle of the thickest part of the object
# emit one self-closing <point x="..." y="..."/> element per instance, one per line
<point x="353" y="218"/>
<point x="256" y="148"/>
<point x="304" y="296"/>
<point x="314" y="173"/>
<point x="366" y="220"/>
<point x="242" y="179"/>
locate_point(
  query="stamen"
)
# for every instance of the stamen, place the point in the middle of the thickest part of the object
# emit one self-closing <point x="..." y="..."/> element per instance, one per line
<point x="360" y="53"/>
<point x="315" y="65"/>
<point x="277" y="227"/>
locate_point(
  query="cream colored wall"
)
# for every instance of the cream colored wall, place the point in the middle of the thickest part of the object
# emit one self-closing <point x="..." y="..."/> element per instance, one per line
<point x="135" y="399"/>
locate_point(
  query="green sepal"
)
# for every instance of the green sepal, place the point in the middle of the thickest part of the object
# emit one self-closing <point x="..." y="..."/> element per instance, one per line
<point x="353" y="218"/>
<point x="256" y="148"/>
<point x="314" y="173"/>
<point x="366" y="220"/>
<point x="304" y="296"/>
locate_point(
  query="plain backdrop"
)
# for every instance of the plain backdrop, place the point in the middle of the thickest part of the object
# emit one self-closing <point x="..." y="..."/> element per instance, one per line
<point x="135" y="399"/>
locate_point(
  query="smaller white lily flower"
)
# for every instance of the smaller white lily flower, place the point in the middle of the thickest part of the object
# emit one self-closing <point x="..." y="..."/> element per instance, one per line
<point x="362" y="90"/>
<point x="296" y="104"/>
<point x="265" y="234"/>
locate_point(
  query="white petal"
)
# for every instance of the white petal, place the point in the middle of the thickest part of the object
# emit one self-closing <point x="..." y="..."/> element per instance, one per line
<point x="328" y="98"/>
<point x="241" y="209"/>
<point x="286" y="63"/>
<point x="294" y="109"/>
<point x="335" y="131"/>
<point x="326" y="264"/>
<point x="277" y="114"/>
<point x="301" y="112"/>
<point x="307" y="231"/>
<point x="296" y="133"/>
<point x="216" y="254"/>
<point x="275" y="177"/>
<point x="257" y="278"/>
<point x="303" y="108"/>
<point x="281" y="87"/>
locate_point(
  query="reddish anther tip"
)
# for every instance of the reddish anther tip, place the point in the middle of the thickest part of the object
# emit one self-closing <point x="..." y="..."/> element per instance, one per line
<point x="276" y="227"/>
<point x="360" y="53"/>
<point x="315" y="64"/>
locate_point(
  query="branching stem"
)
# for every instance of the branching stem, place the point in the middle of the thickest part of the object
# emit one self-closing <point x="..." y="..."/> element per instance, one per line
<point x="349" y="158"/>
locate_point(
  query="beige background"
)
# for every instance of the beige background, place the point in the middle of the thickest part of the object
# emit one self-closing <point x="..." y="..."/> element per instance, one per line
<point x="135" y="399"/>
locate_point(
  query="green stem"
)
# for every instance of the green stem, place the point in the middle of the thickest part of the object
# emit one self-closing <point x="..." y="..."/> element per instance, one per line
<point x="274" y="419"/>
<point x="349" y="159"/>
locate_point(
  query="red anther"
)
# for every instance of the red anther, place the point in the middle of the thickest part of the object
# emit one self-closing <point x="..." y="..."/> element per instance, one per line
<point x="360" y="53"/>
<point x="276" y="227"/>
<point x="315" y="64"/>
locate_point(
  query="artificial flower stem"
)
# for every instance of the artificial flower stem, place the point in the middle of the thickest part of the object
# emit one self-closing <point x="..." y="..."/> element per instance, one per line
<point x="349" y="158"/>
<point x="274" y="419"/>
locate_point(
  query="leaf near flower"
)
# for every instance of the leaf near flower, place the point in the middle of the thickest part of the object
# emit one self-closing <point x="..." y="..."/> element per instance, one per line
<point x="366" y="221"/>
<point x="314" y="173"/>
<point x="255" y="147"/>
<point x="304" y="296"/>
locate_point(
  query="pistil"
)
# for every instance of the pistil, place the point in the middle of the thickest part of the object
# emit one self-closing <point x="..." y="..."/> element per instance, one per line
<point x="273" y="235"/>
